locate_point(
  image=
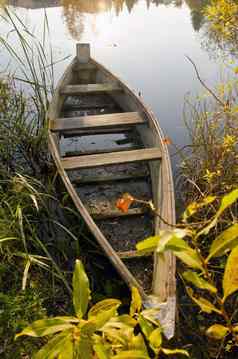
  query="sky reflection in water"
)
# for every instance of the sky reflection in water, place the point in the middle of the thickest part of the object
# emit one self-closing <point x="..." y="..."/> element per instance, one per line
<point x="143" y="42"/>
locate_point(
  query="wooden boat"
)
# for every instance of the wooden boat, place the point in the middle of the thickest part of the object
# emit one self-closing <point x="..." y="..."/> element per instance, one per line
<point x="105" y="142"/>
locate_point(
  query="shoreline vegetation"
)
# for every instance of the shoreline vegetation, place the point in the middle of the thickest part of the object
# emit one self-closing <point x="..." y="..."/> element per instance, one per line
<point x="42" y="235"/>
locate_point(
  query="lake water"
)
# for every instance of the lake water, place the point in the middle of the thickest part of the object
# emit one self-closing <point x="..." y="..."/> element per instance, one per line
<point x="144" y="42"/>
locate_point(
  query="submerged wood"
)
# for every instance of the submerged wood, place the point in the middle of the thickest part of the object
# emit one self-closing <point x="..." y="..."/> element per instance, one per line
<point x="96" y="114"/>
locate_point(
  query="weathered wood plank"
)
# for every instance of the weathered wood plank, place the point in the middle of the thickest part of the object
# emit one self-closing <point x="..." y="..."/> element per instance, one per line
<point x="71" y="163"/>
<point x="96" y="121"/>
<point x="97" y="131"/>
<point x="102" y="150"/>
<point x="114" y="213"/>
<point x="89" y="88"/>
<point x="82" y="67"/>
<point x="110" y="178"/>
<point x="132" y="254"/>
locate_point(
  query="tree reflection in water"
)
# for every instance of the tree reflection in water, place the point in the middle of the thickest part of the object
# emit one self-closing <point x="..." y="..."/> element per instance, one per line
<point x="73" y="10"/>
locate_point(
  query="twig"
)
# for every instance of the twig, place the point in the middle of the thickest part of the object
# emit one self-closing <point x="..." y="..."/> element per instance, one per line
<point x="203" y="83"/>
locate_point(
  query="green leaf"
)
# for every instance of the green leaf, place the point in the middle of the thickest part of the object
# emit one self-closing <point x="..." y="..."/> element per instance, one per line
<point x="102" y="306"/>
<point x="81" y="291"/>
<point x="83" y="348"/>
<point x="175" y="351"/>
<point x="131" y="354"/>
<point x="226" y="202"/>
<point x="227" y="240"/>
<point x="120" y="322"/>
<point x="217" y="331"/>
<point x="177" y="244"/>
<point x="155" y="340"/>
<point x="230" y="278"/>
<point x="198" y="281"/>
<point x="190" y="258"/>
<point x="148" y="245"/>
<point x="137" y="343"/>
<point x="67" y="351"/>
<point x="172" y="240"/>
<point x="136" y="302"/>
<point x="151" y="314"/>
<point x="101" y="351"/>
<point x="146" y="327"/>
<point x="203" y="303"/>
<point x="44" y="327"/>
<point x="54" y="347"/>
<point x="195" y="206"/>
<point x="102" y="318"/>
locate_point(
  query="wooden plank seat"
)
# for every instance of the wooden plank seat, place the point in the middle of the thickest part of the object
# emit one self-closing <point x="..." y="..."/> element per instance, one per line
<point x="110" y="178"/>
<point x="132" y="254"/>
<point x="99" y="214"/>
<point x="72" y="163"/>
<point x="89" y="88"/>
<point x="96" y="121"/>
<point x="87" y="66"/>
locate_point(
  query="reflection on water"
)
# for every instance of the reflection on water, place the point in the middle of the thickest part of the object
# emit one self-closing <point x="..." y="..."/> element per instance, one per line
<point x="73" y="9"/>
<point x="141" y="41"/>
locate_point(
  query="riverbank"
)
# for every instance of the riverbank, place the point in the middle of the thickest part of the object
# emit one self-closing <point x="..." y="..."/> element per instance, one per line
<point x="42" y="235"/>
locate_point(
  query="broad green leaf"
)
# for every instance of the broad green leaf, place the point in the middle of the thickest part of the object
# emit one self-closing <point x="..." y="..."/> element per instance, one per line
<point x="119" y="337"/>
<point x="102" y="318"/>
<point x="217" y="331"/>
<point x="136" y="302"/>
<point x="83" y="348"/>
<point x="230" y="278"/>
<point x="146" y="326"/>
<point x="151" y="314"/>
<point x="228" y="239"/>
<point x="175" y="351"/>
<point x="44" y="327"/>
<point x="195" y="206"/>
<point x="190" y="258"/>
<point x="102" y="306"/>
<point x="172" y="240"/>
<point x="226" y="202"/>
<point x="203" y="303"/>
<point x="148" y="245"/>
<point x="67" y="351"/>
<point x="137" y="343"/>
<point x="198" y="281"/>
<point x="54" y="347"/>
<point x="131" y="354"/>
<point x="155" y="340"/>
<point x="87" y="328"/>
<point x="101" y="351"/>
<point x="177" y="244"/>
<point x="120" y="322"/>
<point x="81" y="291"/>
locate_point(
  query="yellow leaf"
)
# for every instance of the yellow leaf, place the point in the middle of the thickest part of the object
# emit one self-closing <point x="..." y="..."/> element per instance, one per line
<point x="230" y="279"/>
<point x="217" y="331"/>
<point x="198" y="281"/>
<point x="203" y="303"/>
<point x="136" y="302"/>
<point x="226" y="240"/>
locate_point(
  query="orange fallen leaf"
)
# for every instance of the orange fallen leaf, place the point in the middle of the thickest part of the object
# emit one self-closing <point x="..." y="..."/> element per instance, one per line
<point x="124" y="203"/>
<point x="167" y="141"/>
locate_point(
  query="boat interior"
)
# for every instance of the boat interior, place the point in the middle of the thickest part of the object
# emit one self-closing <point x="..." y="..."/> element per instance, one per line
<point x="109" y="145"/>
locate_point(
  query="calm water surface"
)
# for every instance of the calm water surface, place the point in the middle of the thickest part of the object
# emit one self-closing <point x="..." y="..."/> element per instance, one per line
<point x="144" y="42"/>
